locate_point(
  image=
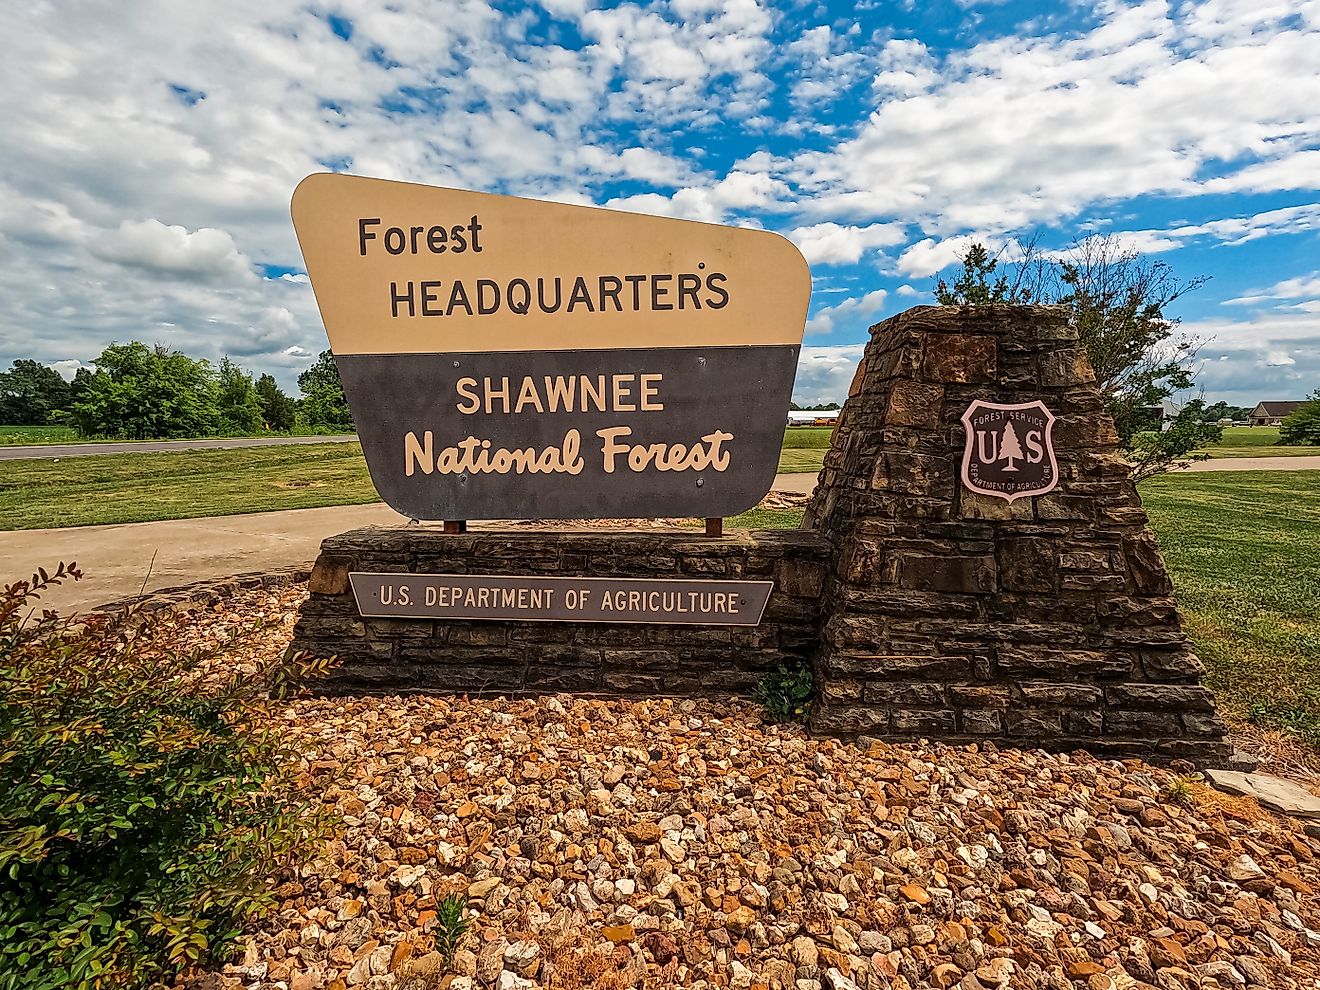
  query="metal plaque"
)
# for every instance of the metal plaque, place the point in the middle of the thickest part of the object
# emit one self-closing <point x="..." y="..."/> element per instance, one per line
<point x="506" y="358"/>
<point x="560" y="599"/>
<point x="1009" y="450"/>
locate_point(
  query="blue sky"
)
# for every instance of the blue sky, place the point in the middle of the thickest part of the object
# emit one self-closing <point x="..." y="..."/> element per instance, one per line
<point x="151" y="149"/>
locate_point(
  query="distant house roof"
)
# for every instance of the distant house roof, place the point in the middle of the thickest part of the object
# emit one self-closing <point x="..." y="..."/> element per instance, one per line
<point x="1277" y="408"/>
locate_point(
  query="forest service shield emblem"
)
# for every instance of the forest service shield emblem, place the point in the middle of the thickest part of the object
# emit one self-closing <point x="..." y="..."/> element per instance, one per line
<point x="1009" y="450"/>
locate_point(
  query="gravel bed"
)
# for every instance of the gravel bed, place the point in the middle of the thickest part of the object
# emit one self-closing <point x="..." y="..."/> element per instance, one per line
<point x="664" y="843"/>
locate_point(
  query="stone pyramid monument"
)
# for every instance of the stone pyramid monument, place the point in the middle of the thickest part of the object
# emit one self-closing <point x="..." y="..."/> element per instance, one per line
<point x="1006" y="587"/>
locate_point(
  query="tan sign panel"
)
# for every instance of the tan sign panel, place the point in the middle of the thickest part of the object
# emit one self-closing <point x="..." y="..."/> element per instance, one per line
<point x="400" y="268"/>
<point x="509" y="358"/>
<point x="560" y="599"/>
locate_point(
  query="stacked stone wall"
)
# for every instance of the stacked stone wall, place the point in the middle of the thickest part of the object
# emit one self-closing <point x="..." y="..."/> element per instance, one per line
<point x="1049" y="620"/>
<point x="485" y="657"/>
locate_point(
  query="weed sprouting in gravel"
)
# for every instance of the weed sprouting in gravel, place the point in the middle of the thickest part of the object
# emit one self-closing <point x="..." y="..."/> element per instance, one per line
<point x="452" y="923"/>
<point x="1179" y="792"/>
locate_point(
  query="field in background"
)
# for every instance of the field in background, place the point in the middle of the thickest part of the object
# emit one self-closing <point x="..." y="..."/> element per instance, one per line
<point x="1256" y="441"/>
<point x="25" y="436"/>
<point x="22" y="436"/>
<point x="808" y="438"/>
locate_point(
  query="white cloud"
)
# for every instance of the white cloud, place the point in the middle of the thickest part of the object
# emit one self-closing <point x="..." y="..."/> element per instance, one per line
<point x="206" y="254"/>
<point x="929" y="256"/>
<point x="853" y="310"/>
<point x="825" y="64"/>
<point x="66" y="369"/>
<point x="824" y="373"/>
<point x="906" y="68"/>
<point x="736" y="192"/>
<point x="833" y="244"/>
<point x="1299" y="287"/>
<point x="1016" y="131"/>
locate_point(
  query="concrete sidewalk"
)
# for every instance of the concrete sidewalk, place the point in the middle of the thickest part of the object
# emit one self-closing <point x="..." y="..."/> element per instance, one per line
<point x="118" y="559"/>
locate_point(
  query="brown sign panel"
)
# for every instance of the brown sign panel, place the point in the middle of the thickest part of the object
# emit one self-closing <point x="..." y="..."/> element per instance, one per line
<point x="1009" y="450"/>
<point x="507" y="358"/>
<point x="560" y="599"/>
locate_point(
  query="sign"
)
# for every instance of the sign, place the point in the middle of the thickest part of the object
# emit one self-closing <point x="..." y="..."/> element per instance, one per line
<point x="506" y="358"/>
<point x="1009" y="450"/>
<point x="560" y="599"/>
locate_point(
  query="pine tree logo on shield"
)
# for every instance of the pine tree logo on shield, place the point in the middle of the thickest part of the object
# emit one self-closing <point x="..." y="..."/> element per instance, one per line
<point x="1009" y="450"/>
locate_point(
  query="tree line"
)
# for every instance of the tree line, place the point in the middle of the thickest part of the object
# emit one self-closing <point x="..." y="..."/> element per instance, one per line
<point x="137" y="392"/>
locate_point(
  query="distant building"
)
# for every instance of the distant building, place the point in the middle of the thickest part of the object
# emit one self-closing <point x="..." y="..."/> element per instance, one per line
<point x="1273" y="413"/>
<point x="813" y="417"/>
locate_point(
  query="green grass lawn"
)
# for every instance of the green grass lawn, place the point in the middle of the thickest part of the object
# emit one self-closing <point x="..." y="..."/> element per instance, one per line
<point x="118" y="488"/>
<point x="1244" y="552"/>
<point x="808" y="437"/>
<point x="801" y="460"/>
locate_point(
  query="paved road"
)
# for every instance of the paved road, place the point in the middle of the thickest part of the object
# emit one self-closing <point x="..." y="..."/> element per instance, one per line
<point x="1306" y="462"/>
<point x="32" y="451"/>
<point x="117" y="560"/>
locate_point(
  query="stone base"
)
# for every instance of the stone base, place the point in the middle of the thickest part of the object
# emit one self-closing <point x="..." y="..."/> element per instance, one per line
<point x="486" y="657"/>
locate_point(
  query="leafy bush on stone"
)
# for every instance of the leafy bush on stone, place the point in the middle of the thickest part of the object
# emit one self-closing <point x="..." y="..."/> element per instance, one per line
<point x="787" y="693"/>
<point x="146" y="801"/>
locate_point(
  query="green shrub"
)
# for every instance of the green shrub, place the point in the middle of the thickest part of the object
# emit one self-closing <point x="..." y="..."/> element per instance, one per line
<point x="787" y="694"/>
<point x="146" y="801"/>
<point x="1302" y="428"/>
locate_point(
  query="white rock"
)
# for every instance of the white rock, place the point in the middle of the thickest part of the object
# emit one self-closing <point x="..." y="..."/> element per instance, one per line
<point x="1222" y="971"/>
<point x="1244" y="868"/>
<point x="843" y="941"/>
<point x="974" y="856"/>
<point x="674" y="852"/>
<point x="803" y="951"/>
<point x="1094" y="930"/>
<point x="406" y="876"/>
<point x="512" y="981"/>
<point x="740" y="977"/>
<point x="838" y="981"/>
<point x="521" y="957"/>
<point x="1272" y="947"/>
<point x="360" y="972"/>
